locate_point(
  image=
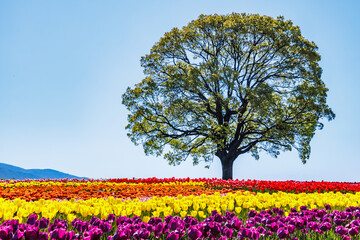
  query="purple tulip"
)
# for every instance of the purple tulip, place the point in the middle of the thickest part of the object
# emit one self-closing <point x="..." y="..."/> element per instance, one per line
<point x="181" y="230"/>
<point x="158" y="231"/>
<point x="87" y="235"/>
<point x="58" y="223"/>
<point x="266" y="221"/>
<point x="219" y="218"/>
<point x="281" y="212"/>
<point x="280" y="224"/>
<point x="194" y="233"/>
<point x="148" y="227"/>
<point x="173" y="225"/>
<point x="229" y="215"/>
<point x="32" y="219"/>
<point x="274" y="227"/>
<point x="251" y="213"/>
<point x="172" y="236"/>
<point x="124" y="235"/>
<point x="214" y="212"/>
<point x="111" y="218"/>
<point x="233" y="223"/>
<point x="31" y="233"/>
<point x="240" y="236"/>
<point x="69" y="235"/>
<point x="282" y="233"/>
<point x="23" y="227"/>
<point x="325" y="226"/>
<point x="299" y="223"/>
<point x="58" y="234"/>
<point x="355" y="223"/>
<point x="83" y="226"/>
<point x="80" y="225"/>
<point x="313" y="226"/>
<point x="262" y="230"/>
<point x="54" y="234"/>
<point x="43" y="236"/>
<point x="119" y="235"/>
<point x="290" y="228"/>
<point x="303" y="208"/>
<point x="215" y="229"/>
<point x="257" y="219"/>
<point x="155" y="220"/>
<point x="95" y="221"/>
<point x="354" y="231"/>
<point x="136" y="234"/>
<point x="222" y="238"/>
<point x="105" y="227"/>
<point x="5" y="232"/>
<point x="120" y="220"/>
<point x="342" y="214"/>
<point x="321" y="213"/>
<point x="18" y="235"/>
<point x="168" y="218"/>
<point x="96" y="233"/>
<point x="326" y="219"/>
<point x="345" y="237"/>
<point x="250" y="223"/>
<point x="254" y="234"/>
<point x="341" y="230"/>
<point x="228" y="232"/>
<point x="44" y="223"/>
<point x="193" y="222"/>
<point x="244" y="233"/>
<point x="144" y="234"/>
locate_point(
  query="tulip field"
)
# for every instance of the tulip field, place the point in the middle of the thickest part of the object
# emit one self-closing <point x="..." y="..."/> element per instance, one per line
<point x="172" y="209"/>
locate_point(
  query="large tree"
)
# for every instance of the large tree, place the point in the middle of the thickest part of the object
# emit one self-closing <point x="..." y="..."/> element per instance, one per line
<point x="226" y="85"/>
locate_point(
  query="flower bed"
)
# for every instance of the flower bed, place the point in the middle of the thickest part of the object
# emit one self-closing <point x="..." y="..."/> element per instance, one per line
<point x="270" y="224"/>
<point x="177" y="209"/>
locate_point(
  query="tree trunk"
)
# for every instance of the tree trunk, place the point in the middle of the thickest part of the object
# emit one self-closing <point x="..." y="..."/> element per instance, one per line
<point x="227" y="168"/>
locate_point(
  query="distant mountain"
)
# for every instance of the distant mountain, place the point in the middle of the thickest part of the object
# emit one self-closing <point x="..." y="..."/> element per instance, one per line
<point x="8" y="171"/>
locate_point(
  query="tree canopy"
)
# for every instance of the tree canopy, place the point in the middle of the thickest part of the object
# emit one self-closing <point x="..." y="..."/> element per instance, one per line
<point x="225" y="85"/>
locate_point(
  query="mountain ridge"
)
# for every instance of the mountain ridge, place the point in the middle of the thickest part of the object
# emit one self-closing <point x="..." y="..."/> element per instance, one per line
<point x="8" y="171"/>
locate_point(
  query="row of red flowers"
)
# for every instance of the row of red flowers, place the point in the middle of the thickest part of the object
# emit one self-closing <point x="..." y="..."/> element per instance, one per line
<point x="258" y="185"/>
<point x="285" y="186"/>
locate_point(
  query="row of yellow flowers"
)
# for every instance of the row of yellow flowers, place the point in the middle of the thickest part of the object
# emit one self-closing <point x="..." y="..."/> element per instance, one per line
<point x="196" y="206"/>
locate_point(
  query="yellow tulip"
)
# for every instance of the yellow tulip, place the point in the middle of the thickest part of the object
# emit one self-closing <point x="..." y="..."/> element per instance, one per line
<point x="237" y="209"/>
<point x="193" y="213"/>
<point x="145" y="219"/>
<point x="183" y="214"/>
<point x="155" y="214"/>
<point x="70" y="217"/>
<point x="201" y="214"/>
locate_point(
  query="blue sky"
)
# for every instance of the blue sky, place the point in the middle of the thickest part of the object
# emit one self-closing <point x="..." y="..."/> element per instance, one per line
<point x="65" y="64"/>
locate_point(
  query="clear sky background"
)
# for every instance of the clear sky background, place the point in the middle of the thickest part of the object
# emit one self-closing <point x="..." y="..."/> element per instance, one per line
<point x="65" y="64"/>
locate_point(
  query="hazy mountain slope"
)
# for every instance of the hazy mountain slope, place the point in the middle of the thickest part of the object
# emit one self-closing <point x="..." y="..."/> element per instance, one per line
<point x="8" y="171"/>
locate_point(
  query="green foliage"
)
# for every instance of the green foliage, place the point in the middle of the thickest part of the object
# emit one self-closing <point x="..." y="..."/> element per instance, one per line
<point x="225" y="85"/>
